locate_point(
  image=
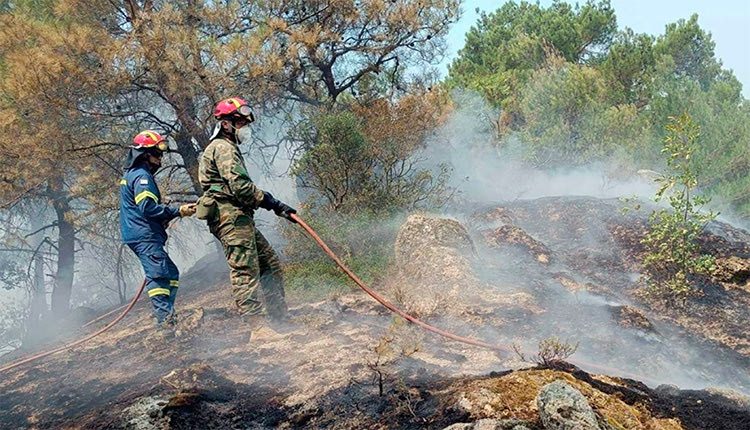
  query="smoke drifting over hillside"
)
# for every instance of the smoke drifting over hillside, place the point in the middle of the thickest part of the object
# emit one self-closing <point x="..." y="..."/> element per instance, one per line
<point x="483" y="171"/>
<point x="487" y="177"/>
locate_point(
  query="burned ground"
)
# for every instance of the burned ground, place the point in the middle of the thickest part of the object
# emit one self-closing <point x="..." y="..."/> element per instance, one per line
<point x="345" y="362"/>
<point x="596" y="252"/>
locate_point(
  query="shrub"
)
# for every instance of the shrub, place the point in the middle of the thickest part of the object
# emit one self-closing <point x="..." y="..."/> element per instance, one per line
<point x="369" y="158"/>
<point x="672" y="255"/>
<point x="364" y="242"/>
<point x="400" y="341"/>
<point x="551" y="350"/>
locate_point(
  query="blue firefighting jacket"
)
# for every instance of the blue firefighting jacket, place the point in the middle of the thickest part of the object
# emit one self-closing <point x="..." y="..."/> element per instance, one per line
<point x="142" y="216"/>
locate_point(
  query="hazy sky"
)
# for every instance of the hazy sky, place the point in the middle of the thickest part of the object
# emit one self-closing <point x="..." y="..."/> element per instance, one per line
<point x="728" y="21"/>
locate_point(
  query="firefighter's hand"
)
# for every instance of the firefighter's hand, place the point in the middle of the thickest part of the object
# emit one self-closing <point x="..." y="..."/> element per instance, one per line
<point x="268" y="203"/>
<point x="285" y="211"/>
<point x="187" y="210"/>
<point x="280" y="209"/>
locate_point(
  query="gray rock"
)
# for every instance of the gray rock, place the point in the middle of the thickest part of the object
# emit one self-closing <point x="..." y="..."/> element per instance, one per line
<point x="668" y="390"/>
<point x="490" y="424"/>
<point x="146" y="413"/>
<point x="562" y="407"/>
<point x="460" y="426"/>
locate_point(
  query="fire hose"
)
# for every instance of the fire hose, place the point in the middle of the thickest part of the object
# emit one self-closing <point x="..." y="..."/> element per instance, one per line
<point x="101" y="317"/>
<point x="362" y="285"/>
<point x="428" y="327"/>
<point x="80" y="341"/>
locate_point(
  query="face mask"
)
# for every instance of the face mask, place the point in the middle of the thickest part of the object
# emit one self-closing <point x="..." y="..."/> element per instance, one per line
<point x="245" y="134"/>
<point x="153" y="164"/>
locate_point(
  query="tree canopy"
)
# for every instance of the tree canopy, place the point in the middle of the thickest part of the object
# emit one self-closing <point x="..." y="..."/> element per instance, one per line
<point x="78" y="79"/>
<point x="575" y="89"/>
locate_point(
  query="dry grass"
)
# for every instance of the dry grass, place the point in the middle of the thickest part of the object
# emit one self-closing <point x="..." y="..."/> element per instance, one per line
<point x="514" y="396"/>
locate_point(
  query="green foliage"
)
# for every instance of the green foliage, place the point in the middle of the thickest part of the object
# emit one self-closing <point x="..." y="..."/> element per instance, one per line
<point x="571" y="119"/>
<point x="629" y="67"/>
<point x="724" y="119"/>
<point x="353" y="172"/>
<point x="572" y="89"/>
<point x="335" y="161"/>
<point x="42" y="9"/>
<point x="318" y="277"/>
<point x="691" y="51"/>
<point x="363" y="241"/>
<point x="672" y="254"/>
<point x="506" y="46"/>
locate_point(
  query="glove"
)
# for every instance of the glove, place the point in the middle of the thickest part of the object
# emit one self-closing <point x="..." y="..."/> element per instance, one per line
<point x="285" y="211"/>
<point x="187" y="210"/>
<point x="270" y="203"/>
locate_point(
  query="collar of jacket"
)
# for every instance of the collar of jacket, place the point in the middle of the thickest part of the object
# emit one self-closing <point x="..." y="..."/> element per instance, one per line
<point x="131" y="159"/>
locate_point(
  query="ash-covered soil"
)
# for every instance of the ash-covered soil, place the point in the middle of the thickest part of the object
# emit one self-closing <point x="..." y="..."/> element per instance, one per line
<point x="595" y="255"/>
<point x="512" y="273"/>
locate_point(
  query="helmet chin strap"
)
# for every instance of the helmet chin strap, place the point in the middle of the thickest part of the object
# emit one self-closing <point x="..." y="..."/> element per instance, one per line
<point x="235" y="134"/>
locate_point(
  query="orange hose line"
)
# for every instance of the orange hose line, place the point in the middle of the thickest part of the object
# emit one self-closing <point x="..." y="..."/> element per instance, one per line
<point x="428" y="327"/>
<point x="80" y="341"/>
<point x="101" y="317"/>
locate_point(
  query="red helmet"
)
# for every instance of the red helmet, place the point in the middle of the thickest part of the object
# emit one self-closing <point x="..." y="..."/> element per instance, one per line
<point x="149" y="139"/>
<point x="233" y="107"/>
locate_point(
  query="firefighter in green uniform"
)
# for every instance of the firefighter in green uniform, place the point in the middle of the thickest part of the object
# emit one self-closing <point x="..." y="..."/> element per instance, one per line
<point x="228" y="203"/>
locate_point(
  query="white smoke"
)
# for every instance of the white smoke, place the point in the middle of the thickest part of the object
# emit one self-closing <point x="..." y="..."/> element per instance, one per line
<point x="486" y="170"/>
<point x="485" y="173"/>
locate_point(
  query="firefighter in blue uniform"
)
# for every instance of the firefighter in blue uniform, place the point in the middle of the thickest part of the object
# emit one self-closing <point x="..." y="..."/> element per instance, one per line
<point x="143" y="221"/>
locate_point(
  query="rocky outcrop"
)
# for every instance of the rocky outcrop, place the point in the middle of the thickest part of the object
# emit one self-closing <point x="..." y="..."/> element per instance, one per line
<point x="516" y="237"/>
<point x="598" y="248"/>
<point x="631" y="318"/>
<point x="146" y="413"/>
<point x="732" y="269"/>
<point x="562" y="407"/>
<point x="433" y="266"/>
<point x="532" y="396"/>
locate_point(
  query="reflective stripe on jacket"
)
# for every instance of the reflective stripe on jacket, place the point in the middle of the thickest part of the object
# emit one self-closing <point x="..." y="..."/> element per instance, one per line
<point x="142" y="216"/>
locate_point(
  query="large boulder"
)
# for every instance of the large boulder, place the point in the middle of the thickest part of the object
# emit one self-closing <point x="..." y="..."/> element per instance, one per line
<point x="562" y="407"/>
<point x="433" y="266"/>
<point x="420" y="231"/>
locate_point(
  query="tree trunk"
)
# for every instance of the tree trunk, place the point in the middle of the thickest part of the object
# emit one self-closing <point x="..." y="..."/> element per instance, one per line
<point x="190" y="158"/>
<point x="65" y="254"/>
<point x="121" y="286"/>
<point x="38" y="305"/>
<point x="180" y="100"/>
